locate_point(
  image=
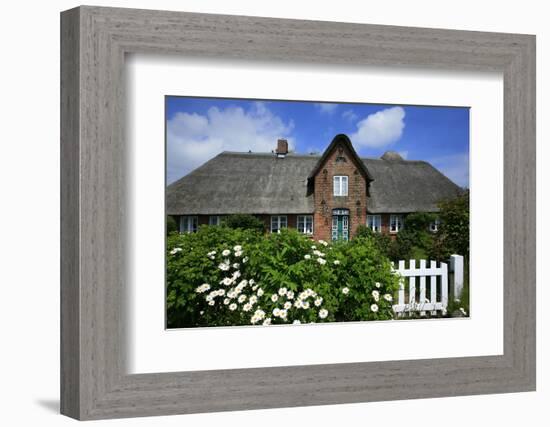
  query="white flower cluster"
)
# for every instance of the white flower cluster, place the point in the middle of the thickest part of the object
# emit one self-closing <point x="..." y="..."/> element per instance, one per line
<point x="175" y="251"/>
<point x="320" y="256"/>
<point x="241" y="293"/>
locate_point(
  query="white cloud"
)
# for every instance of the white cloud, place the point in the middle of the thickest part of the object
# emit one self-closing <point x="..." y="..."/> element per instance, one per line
<point x="326" y="108"/>
<point x="456" y="167"/>
<point x="192" y="139"/>
<point x="349" y="115"/>
<point x="380" y="129"/>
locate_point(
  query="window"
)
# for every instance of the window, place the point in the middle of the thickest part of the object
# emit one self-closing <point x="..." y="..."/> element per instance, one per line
<point x="305" y="224"/>
<point x="188" y="224"/>
<point x="434" y="226"/>
<point x="340" y="185"/>
<point x="396" y="223"/>
<point x="374" y="222"/>
<point x="214" y="220"/>
<point x="278" y="222"/>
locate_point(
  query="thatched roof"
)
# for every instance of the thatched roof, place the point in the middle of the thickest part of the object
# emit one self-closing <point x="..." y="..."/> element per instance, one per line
<point x="402" y="186"/>
<point x="258" y="183"/>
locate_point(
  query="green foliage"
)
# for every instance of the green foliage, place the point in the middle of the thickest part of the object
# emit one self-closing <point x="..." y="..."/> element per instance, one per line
<point x="245" y="222"/>
<point x="171" y="225"/>
<point x="454" y="231"/>
<point x="385" y="244"/>
<point x="223" y="276"/>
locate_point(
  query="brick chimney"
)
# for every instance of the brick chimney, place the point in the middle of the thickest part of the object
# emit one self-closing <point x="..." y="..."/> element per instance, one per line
<point x="282" y="148"/>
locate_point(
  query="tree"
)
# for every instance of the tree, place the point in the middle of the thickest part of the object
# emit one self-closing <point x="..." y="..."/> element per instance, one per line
<point x="454" y="231"/>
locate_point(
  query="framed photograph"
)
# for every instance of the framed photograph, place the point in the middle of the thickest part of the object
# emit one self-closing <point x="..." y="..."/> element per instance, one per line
<point x="261" y="213"/>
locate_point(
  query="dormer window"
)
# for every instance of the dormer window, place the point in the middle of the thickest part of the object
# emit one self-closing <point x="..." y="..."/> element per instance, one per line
<point x="340" y="185"/>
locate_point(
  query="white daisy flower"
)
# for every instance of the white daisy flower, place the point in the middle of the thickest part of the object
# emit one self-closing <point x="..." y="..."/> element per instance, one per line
<point x="253" y="299"/>
<point x="251" y="281"/>
<point x="336" y="262"/>
<point x="211" y="302"/>
<point x="305" y="305"/>
<point x="237" y="248"/>
<point x="232" y="306"/>
<point x="238" y="253"/>
<point x="260" y="292"/>
<point x="247" y="307"/>
<point x="267" y="321"/>
<point x="374" y="308"/>
<point x="318" y="302"/>
<point x="223" y="266"/>
<point x="282" y="291"/>
<point x="274" y="297"/>
<point x="226" y="301"/>
<point x="276" y="312"/>
<point x="245" y="260"/>
<point x="307" y="256"/>
<point x="203" y="288"/>
<point x="388" y="297"/>
<point x="287" y="305"/>
<point x="376" y="295"/>
<point x="377" y="284"/>
<point x="282" y="314"/>
<point x="290" y="294"/>
<point x="313" y="247"/>
<point x="323" y="313"/>
<point x="175" y="251"/>
<point x="228" y="281"/>
<point x="321" y="261"/>
<point x="259" y="313"/>
<point x="345" y="291"/>
<point x="236" y="265"/>
<point x="242" y="298"/>
<point x="226" y="252"/>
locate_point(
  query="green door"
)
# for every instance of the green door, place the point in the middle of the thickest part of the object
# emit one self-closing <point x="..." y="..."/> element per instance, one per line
<point x="340" y="224"/>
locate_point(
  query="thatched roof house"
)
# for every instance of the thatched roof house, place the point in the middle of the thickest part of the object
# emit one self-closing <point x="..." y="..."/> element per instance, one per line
<point x="328" y="195"/>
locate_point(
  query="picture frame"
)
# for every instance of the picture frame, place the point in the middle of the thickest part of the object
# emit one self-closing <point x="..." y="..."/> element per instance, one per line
<point x="94" y="42"/>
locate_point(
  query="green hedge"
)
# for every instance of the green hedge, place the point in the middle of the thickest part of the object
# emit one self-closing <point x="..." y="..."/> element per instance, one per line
<point x="221" y="276"/>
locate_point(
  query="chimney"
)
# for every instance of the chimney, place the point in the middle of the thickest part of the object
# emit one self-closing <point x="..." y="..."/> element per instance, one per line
<point x="282" y="148"/>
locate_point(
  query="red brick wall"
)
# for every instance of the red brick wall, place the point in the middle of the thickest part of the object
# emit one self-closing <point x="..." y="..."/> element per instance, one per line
<point x="355" y="201"/>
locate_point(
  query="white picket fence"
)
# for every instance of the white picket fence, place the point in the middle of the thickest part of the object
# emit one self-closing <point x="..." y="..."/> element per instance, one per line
<point x="428" y="286"/>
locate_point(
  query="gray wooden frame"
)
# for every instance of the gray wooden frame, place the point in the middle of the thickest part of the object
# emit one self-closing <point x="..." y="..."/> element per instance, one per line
<point x="94" y="383"/>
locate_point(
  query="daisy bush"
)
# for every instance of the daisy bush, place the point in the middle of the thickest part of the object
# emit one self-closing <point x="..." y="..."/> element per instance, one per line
<point x="220" y="277"/>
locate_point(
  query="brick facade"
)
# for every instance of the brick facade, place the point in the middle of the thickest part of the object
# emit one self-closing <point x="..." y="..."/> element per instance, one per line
<point x="340" y="161"/>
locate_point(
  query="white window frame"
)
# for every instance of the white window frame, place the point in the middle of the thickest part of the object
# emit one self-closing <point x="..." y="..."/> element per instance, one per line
<point x="279" y="220"/>
<point x="398" y="220"/>
<point x="189" y="223"/>
<point x="434" y="225"/>
<point x="302" y="228"/>
<point x="217" y="218"/>
<point x="340" y="185"/>
<point x="374" y="222"/>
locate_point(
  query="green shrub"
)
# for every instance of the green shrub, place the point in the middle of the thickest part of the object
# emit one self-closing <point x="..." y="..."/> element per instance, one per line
<point x="171" y="225"/>
<point x="245" y="222"/>
<point x="222" y="276"/>
<point x="454" y="231"/>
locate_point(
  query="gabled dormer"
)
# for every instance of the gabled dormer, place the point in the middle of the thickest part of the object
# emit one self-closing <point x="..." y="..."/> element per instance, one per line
<point x="339" y="183"/>
<point x="339" y="156"/>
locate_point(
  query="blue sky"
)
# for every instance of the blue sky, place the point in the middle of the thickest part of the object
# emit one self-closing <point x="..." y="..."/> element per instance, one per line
<point x="198" y="129"/>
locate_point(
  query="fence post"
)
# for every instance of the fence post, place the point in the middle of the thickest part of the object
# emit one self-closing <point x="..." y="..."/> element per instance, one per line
<point x="457" y="267"/>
